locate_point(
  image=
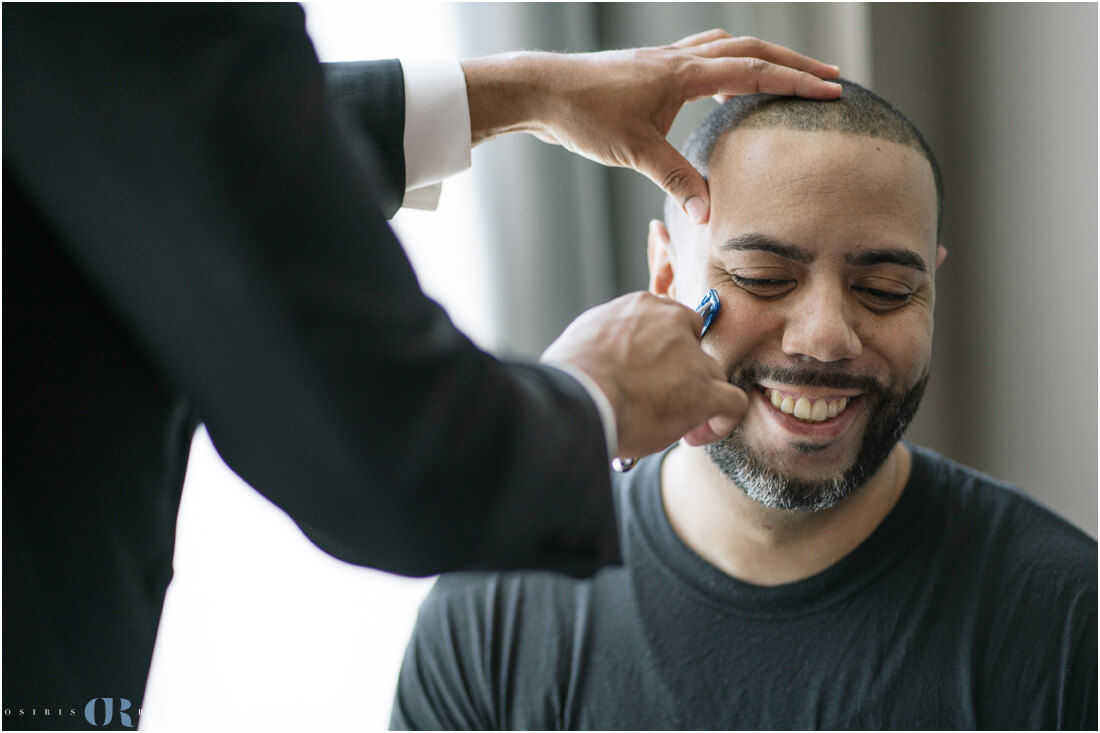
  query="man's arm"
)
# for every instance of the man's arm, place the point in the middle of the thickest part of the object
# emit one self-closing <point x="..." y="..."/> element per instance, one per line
<point x="187" y="159"/>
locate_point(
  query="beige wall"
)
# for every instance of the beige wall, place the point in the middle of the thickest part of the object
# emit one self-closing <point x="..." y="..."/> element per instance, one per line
<point x="1007" y="96"/>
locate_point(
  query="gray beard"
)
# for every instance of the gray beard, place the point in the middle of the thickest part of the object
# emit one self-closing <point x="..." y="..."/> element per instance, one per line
<point x="890" y="415"/>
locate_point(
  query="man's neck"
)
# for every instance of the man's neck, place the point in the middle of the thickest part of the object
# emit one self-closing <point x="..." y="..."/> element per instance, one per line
<point x="764" y="546"/>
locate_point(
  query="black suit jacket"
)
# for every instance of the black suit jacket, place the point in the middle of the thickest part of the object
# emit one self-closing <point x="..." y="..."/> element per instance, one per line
<point x="191" y="234"/>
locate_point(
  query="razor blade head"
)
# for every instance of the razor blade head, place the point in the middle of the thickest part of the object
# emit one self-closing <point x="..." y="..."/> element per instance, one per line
<point x="708" y="308"/>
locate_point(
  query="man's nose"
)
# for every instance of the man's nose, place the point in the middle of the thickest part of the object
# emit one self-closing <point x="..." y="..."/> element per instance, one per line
<point x="821" y="325"/>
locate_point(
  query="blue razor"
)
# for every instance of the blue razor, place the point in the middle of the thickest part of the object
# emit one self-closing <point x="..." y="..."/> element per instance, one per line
<point x="708" y="309"/>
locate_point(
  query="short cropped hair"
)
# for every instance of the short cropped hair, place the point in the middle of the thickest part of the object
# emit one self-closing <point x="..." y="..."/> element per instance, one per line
<point x="858" y="111"/>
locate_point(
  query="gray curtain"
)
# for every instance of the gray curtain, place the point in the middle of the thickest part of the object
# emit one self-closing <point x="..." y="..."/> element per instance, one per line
<point x="1006" y="94"/>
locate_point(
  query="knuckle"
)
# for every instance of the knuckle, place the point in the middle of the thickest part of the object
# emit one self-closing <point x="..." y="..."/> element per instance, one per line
<point x="639" y="300"/>
<point x="676" y="181"/>
<point x="756" y="66"/>
<point x="679" y="68"/>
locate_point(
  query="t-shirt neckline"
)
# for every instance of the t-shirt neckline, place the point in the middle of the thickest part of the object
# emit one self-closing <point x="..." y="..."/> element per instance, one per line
<point x="852" y="572"/>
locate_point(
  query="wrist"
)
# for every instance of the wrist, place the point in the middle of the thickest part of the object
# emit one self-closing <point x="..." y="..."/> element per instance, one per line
<point x="600" y="398"/>
<point x="507" y="92"/>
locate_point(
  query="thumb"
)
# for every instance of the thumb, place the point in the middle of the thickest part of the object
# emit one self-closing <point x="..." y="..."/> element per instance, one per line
<point x="664" y="165"/>
<point x="731" y="403"/>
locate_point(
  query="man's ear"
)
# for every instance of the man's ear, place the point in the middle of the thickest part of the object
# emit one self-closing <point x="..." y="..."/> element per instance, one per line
<point x="659" y="250"/>
<point x="941" y="255"/>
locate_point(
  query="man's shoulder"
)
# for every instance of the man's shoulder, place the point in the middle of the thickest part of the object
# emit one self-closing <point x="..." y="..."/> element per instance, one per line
<point x="480" y="633"/>
<point x="1019" y="584"/>
<point x="1016" y="529"/>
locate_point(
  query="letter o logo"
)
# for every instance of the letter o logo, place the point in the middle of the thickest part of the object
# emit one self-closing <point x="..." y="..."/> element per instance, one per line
<point x="108" y="708"/>
<point x="108" y="711"/>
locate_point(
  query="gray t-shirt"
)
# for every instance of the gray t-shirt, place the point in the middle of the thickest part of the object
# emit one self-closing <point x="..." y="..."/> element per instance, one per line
<point x="970" y="606"/>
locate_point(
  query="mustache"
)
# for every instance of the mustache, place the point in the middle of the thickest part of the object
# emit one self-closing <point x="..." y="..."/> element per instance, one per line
<point x="747" y="375"/>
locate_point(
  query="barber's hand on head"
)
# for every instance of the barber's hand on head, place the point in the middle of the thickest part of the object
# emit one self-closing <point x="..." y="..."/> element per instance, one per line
<point x="616" y="107"/>
<point x="643" y="351"/>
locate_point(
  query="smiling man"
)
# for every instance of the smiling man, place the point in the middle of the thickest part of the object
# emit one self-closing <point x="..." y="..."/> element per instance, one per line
<point x="811" y="570"/>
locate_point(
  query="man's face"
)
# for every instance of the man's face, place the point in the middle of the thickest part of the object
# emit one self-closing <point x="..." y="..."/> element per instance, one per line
<point x="822" y="247"/>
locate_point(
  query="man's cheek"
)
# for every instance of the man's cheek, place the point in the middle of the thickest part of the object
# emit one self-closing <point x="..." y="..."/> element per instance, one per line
<point x="724" y="353"/>
<point x="737" y="332"/>
<point x="918" y="357"/>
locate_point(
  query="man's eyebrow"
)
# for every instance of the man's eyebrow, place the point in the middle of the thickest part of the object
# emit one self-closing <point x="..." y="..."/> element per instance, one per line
<point x="764" y="243"/>
<point x="903" y="257"/>
<point x="865" y="258"/>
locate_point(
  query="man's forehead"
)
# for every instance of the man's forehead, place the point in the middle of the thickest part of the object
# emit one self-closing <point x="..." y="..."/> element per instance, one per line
<point x="779" y="176"/>
<point x="767" y="148"/>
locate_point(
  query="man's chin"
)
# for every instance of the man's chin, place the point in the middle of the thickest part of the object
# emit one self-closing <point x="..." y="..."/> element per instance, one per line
<point x="815" y="461"/>
<point x="810" y="462"/>
<point x="812" y="475"/>
<point x="801" y="479"/>
<point x="797" y="458"/>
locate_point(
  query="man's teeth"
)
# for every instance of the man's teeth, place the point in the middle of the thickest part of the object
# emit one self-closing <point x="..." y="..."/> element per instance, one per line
<point x="805" y="409"/>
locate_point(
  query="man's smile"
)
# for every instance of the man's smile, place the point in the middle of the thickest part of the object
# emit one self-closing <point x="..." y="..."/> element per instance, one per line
<point x="807" y="405"/>
<point x="811" y="412"/>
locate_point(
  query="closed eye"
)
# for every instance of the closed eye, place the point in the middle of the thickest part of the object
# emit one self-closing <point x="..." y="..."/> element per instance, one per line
<point x="763" y="287"/>
<point x="883" y="299"/>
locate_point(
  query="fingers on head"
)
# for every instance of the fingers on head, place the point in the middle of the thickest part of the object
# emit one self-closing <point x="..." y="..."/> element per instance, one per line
<point x="749" y="47"/>
<point x="745" y="46"/>
<point x="698" y="39"/>
<point x="751" y="75"/>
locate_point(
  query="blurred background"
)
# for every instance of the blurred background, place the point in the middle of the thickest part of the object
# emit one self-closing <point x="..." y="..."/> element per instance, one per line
<point x="261" y="631"/>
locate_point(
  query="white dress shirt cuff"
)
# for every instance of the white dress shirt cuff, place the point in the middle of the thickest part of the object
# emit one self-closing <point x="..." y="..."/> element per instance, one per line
<point x="437" y="128"/>
<point x="603" y="405"/>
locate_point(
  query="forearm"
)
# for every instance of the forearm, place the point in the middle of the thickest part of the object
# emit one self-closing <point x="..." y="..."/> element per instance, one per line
<point x="503" y="91"/>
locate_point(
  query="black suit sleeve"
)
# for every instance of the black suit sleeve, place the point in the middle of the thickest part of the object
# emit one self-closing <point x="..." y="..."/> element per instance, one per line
<point x="189" y="161"/>
<point x="371" y="96"/>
